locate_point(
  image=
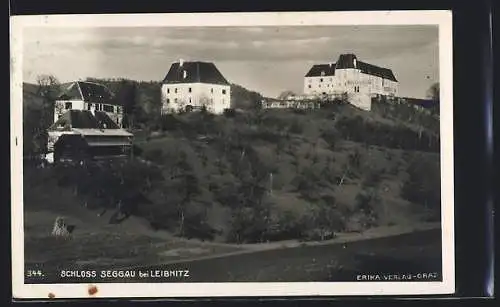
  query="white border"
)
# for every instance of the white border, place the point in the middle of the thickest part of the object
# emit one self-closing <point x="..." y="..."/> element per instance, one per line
<point x="442" y="19"/>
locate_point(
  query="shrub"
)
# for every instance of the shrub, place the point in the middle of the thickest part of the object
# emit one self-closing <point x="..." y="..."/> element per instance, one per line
<point x="154" y="155"/>
<point x="366" y="204"/>
<point x="423" y="185"/>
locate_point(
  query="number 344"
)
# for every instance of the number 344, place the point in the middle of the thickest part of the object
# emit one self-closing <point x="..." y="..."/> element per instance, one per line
<point x="34" y="273"/>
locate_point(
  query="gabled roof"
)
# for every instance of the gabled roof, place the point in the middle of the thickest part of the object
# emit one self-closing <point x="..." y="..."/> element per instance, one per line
<point x="376" y="71"/>
<point x="321" y="70"/>
<point x="194" y="72"/>
<point x="83" y="119"/>
<point x="87" y="91"/>
<point x="350" y="61"/>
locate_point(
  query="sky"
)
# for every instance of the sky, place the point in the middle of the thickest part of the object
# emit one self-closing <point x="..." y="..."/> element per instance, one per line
<point x="268" y="59"/>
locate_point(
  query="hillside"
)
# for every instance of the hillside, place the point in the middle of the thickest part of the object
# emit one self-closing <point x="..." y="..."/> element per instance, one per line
<point x="262" y="175"/>
<point x="290" y="174"/>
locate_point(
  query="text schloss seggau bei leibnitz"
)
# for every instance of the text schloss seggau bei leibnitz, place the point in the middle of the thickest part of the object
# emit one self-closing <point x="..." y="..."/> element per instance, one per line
<point x="156" y="273"/>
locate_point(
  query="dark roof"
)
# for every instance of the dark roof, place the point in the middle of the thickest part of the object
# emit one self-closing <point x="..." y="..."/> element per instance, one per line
<point x="195" y="72"/>
<point x="376" y="71"/>
<point x="84" y="119"/>
<point x="105" y="121"/>
<point x="317" y="70"/>
<point x="81" y="141"/>
<point x="87" y="91"/>
<point x="346" y="61"/>
<point x="78" y="119"/>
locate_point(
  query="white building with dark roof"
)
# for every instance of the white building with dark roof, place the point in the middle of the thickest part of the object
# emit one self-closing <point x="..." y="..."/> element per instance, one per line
<point x="90" y="96"/>
<point x="352" y="76"/>
<point x="194" y="85"/>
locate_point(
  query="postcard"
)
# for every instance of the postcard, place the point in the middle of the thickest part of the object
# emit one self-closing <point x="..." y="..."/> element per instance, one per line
<point x="232" y="154"/>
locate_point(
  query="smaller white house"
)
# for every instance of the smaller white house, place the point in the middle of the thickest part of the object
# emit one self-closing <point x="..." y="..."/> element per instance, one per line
<point x="194" y="85"/>
<point x="89" y="96"/>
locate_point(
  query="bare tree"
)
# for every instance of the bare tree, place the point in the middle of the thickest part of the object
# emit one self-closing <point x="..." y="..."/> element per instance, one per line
<point x="433" y="92"/>
<point x="48" y="89"/>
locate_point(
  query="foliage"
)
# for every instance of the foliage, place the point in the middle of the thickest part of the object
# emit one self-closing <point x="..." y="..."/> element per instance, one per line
<point x="423" y="185"/>
<point x="242" y="98"/>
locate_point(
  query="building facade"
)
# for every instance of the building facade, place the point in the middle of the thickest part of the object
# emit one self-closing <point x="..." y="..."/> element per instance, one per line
<point x="90" y="96"/>
<point x="351" y="76"/>
<point x="195" y="85"/>
<point x="80" y="135"/>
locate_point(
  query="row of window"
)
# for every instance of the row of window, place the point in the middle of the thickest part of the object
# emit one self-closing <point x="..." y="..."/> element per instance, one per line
<point x="175" y="100"/>
<point x="320" y="80"/>
<point x="98" y="107"/>
<point x="190" y="91"/>
<point x="103" y="107"/>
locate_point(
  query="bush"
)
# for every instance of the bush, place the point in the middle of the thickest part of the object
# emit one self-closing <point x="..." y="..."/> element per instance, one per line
<point x="423" y="185"/>
<point x="229" y="113"/>
<point x="367" y="202"/>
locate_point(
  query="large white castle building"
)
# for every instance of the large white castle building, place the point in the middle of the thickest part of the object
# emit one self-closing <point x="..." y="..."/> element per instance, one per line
<point x="194" y="85"/>
<point x="351" y="76"/>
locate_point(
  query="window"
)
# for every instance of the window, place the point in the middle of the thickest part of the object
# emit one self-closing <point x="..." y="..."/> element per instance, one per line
<point x="175" y="100"/>
<point x="89" y="106"/>
<point x="68" y="105"/>
<point x="212" y="90"/>
<point x="189" y="99"/>
<point x="168" y="100"/>
<point x="175" y="90"/>
<point x="309" y="86"/>
<point x="190" y="90"/>
<point x="168" y="91"/>
<point x="321" y="80"/>
<point x="108" y="108"/>
<point x="223" y="92"/>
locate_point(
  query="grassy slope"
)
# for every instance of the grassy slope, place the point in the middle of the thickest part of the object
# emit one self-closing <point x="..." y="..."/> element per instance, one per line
<point x="99" y="241"/>
<point x="306" y="150"/>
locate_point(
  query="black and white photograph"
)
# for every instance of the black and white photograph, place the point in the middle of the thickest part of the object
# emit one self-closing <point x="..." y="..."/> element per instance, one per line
<point x="232" y="154"/>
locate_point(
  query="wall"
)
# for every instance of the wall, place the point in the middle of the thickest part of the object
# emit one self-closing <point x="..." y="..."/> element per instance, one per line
<point x="360" y="100"/>
<point x="319" y="85"/>
<point x="176" y="97"/>
<point x="349" y="81"/>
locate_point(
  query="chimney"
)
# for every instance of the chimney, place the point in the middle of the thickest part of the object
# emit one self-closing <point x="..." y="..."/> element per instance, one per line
<point x="184" y="74"/>
<point x="181" y="61"/>
<point x="354" y="62"/>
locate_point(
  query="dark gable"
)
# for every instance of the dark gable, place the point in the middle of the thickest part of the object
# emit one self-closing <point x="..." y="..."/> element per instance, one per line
<point x="195" y="72"/>
<point x="347" y="61"/>
<point x="88" y="92"/>
<point x="322" y="70"/>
